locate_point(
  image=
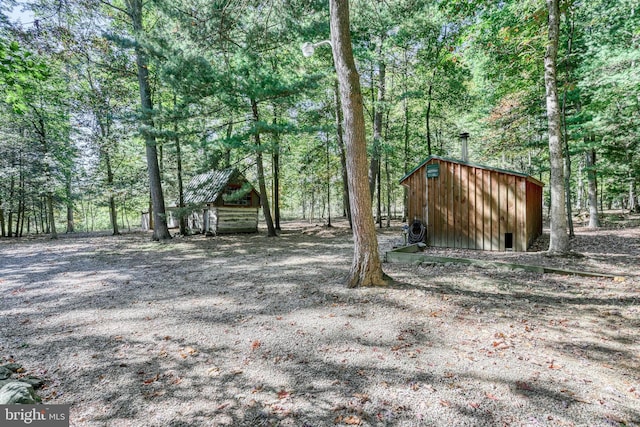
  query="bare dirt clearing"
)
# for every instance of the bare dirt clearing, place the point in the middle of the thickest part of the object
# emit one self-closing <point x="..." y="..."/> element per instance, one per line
<point x="246" y="330"/>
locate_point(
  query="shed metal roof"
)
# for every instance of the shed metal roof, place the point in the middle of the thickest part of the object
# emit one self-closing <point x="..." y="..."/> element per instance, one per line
<point x="473" y="165"/>
<point x="208" y="187"/>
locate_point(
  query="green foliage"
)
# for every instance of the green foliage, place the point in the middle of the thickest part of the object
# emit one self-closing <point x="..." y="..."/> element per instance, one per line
<point x="474" y="66"/>
<point x="19" y="70"/>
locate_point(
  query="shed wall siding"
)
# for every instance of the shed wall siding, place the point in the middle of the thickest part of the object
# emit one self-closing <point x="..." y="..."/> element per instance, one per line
<point x="233" y="220"/>
<point x="473" y="208"/>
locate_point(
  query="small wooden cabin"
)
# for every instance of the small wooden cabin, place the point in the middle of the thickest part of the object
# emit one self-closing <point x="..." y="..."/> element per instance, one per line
<point x="470" y="206"/>
<point x="222" y="202"/>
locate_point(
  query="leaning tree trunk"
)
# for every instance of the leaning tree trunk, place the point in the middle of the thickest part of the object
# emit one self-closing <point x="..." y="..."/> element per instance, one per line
<point x="559" y="241"/>
<point x="160" y="229"/>
<point x="271" y="230"/>
<point x="366" y="268"/>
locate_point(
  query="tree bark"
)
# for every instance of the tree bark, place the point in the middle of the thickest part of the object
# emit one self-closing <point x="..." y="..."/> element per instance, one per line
<point x="374" y="167"/>
<point x="428" y="118"/>
<point x="366" y="268"/>
<point x="52" y="216"/>
<point x="113" y="214"/>
<point x="405" y="108"/>
<point x="559" y="240"/>
<point x="343" y="155"/>
<point x="160" y="229"/>
<point x="276" y="186"/>
<point x="328" y="165"/>
<point x="567" y="153"/>
<point x="70" y="222"/>
<point x="271" y="231"/>
<point x="276" y="172"/>
<point x="2" y="231"/>
<point x="41" y="131"/>
<point x="182" y="219"/>
<point x="590" y="162"/>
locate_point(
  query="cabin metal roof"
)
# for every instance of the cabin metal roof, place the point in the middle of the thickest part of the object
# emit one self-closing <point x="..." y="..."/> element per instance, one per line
<point x="207" y="187"/>
<point x="473" y="165"/>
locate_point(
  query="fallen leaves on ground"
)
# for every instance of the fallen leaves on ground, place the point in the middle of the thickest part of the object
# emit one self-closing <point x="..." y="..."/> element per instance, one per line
<point x="151" y="380"/>
<point x="521" y="385"/>
<point x="283" y="394"/>
<point x="351" y="420"/>
<point x="188" y="351"/>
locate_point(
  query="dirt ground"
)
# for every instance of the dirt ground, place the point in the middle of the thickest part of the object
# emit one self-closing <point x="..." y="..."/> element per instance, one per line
<point x="247" y="330"/>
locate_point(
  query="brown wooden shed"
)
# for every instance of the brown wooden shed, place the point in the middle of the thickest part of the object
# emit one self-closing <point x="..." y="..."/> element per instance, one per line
<point x="470" y="206"/>
<point x="222" y="202"/>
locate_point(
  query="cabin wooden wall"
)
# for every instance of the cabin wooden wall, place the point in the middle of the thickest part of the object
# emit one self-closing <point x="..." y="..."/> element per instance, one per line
<point x="233" y="220"/>
<point x="473" y="207"/>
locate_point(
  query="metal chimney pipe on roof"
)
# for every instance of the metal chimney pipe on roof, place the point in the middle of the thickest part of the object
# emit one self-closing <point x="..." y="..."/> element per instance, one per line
<point x="464" y="154"/>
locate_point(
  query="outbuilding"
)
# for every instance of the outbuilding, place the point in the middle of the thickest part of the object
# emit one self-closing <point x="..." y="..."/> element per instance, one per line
<point x="222" y="201"/>
<point x="470" y="206"/>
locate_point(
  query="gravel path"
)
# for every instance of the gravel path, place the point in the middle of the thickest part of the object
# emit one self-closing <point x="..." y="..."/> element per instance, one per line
<point x="251" y="331"/>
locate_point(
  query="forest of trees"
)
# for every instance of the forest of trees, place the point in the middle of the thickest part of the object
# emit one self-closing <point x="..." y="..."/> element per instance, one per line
<point x="108" y="106"/>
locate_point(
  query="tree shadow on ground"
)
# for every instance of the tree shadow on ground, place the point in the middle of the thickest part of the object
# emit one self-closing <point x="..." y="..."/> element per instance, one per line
<point x="220" y="332"/>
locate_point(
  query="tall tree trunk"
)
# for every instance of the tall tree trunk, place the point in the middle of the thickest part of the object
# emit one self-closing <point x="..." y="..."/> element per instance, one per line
<point x="567" y="153"/>
<point x="276" y="172"/>
<point x="2" y="230"/>
<point x="366" y="268"/>
<point x="387" y="170"/>
<point x="590" y="162"/>
<point x="42" y="215"/>
<point x="559" y="240"/>
<point x="22" y="219"/>
<point x="113" y="213"/>
<point x="21" y="211"/>
<point x="41" y="131"/>
<point x="374" y="167"/>
<point x="428" y="117"/>
<point x="405" y="107"/>
<point x="227" y="150"/>
<point x="160" y="229"/>
<point x="379" y="195"/>
<point x="276" y="186"/>
<point x="52" y="216"/>
<point x="632" y="203"/>
<point x="182" y="219"/>
<point x="70" y="223"/>
<point x="12" y="184"/>
<point x="271" y="231"/>
<point x="580" y="200"/>
<point x="343" y="155"/>
<point x="567" y="185"/>
<point x="328" y="165"/>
